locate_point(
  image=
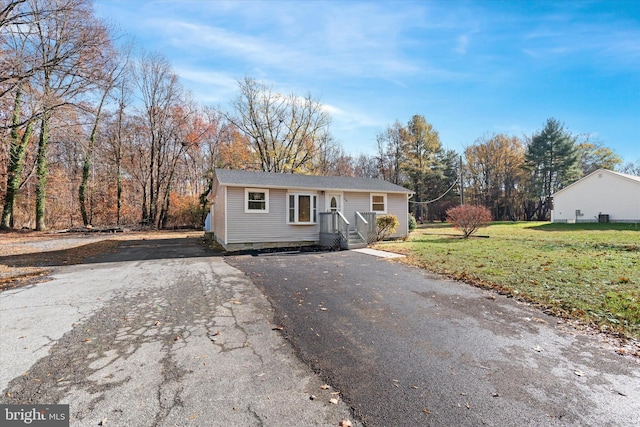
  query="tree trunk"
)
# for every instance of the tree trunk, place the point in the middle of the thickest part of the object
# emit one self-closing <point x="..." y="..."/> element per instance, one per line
<point x="86" y="167"/>
<point x="41" y="172"/>
<point x="14" y="169"/>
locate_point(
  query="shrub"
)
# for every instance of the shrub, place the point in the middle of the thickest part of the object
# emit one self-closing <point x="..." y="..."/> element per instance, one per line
<point x="412" y="223"/>
<point x="386" y="225"/>
<point x="468" y="218"/>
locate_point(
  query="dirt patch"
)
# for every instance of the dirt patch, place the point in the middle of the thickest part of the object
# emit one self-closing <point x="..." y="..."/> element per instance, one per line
<point x="28" y="257"/>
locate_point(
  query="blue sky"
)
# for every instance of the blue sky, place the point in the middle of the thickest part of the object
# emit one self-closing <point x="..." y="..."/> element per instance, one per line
<point x="471" y="68"/>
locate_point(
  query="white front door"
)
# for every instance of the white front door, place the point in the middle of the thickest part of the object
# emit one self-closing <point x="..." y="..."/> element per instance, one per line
<point x="334" y="202"/>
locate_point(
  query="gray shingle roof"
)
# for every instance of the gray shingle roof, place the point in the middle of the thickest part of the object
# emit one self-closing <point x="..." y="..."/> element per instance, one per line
<point x="240" y="178"/>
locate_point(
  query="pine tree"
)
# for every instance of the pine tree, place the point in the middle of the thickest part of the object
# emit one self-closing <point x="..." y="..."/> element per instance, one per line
<point x="553" y="160"/>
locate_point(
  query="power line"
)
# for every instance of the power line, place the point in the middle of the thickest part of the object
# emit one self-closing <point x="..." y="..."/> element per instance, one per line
<point x="438" y="198"/>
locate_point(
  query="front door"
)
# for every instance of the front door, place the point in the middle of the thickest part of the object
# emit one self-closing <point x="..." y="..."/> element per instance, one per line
<point x="334" y="202"/>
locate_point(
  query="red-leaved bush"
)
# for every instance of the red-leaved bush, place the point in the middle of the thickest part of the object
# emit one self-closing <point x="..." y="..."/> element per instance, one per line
<point x="468" y="218"/>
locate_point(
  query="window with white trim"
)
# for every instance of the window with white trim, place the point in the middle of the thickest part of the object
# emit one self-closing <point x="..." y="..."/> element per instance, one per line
<point x="256" y="200"/>
<point x="379" y="203"/>
<point x="302" y="208"/>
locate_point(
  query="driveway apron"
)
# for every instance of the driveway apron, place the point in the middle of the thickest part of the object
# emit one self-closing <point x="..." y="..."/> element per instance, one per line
<point x="157" y="333"/>
<point x="408" y="348"/>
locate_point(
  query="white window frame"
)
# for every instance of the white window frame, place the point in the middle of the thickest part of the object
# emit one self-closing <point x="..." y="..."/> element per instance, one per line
<point x="246" y="200"/>
<point x="384" y="201"/>
<point x="314" y="208"/>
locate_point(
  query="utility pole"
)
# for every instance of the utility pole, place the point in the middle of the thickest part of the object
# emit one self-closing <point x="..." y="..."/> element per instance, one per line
<point x="461" y="183"/>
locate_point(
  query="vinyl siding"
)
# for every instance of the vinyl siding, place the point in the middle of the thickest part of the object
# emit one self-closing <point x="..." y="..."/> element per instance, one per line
<point x="232" y="226"/>
<point x="396" y="205"/>
<point x="599" y="193"/>
<point x="265" y="227"/>
<point x="218" y="213"/>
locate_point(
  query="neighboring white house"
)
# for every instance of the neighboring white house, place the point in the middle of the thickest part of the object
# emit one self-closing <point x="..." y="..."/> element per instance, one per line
<point x="262" y="210"/>
<point x="603" y="195"/>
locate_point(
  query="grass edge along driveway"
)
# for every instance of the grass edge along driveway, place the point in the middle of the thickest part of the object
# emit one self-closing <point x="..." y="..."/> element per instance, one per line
<point x="589" y="272"/>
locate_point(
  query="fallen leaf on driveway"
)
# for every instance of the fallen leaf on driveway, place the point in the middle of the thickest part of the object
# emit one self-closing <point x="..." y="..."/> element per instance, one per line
<point x="334" y="400"/>
<point x="345" y="423"/>
<point x="278" y="328"/>
<point x="323" y="308"/>
<point x="325" y="387"/>
<point x="426" y="411"/>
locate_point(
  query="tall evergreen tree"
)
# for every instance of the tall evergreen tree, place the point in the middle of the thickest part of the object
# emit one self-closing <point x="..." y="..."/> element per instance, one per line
<point x="553" y="159"/>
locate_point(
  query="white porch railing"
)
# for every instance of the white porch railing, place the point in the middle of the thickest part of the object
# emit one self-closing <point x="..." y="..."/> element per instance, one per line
<point x="336" y="231"/>
<point x="366" y="226"/>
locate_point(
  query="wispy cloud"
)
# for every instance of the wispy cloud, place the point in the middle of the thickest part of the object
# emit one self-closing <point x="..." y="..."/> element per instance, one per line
<point x="462" y="44"/>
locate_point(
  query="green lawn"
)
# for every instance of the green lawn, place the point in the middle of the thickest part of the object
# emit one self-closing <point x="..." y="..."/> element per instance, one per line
<point x="585" y="271"/>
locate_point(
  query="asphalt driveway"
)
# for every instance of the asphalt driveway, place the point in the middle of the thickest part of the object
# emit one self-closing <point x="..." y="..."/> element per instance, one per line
<point x="156" y="333"/>
<point x="407" y="348"/>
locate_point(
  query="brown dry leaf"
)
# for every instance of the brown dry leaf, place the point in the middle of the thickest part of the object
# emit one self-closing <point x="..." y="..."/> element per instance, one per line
<point x="334" y="400"/>
<point x="414" y="387"/>
<point x="325" y="387"/>
<point x="426" y="411"/>
<point x="345" y="423"/>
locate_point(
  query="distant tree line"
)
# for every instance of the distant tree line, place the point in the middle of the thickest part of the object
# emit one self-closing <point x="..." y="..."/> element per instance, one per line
<point x="93" y="133"/>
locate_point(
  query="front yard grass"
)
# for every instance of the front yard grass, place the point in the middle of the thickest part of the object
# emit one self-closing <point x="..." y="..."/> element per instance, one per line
<point x="586" y="271"/>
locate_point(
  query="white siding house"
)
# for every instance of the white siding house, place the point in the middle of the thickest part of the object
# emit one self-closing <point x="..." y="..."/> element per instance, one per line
<point x="603" y="196"/>
<point x="253" y="210"/>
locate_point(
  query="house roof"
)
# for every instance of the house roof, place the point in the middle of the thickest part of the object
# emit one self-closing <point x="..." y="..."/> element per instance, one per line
<point x="240" y="178"/>
<point x="634" y="178"/>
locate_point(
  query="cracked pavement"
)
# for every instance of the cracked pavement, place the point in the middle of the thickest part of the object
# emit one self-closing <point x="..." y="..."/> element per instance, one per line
<point x="157" y="333"/>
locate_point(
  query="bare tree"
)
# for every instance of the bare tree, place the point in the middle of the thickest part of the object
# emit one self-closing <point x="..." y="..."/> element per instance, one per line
<point x="286" y="131"/>
<point x="115" y="68"/>
<point x="390" y="153"/>
<point x="53" y="48"/>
